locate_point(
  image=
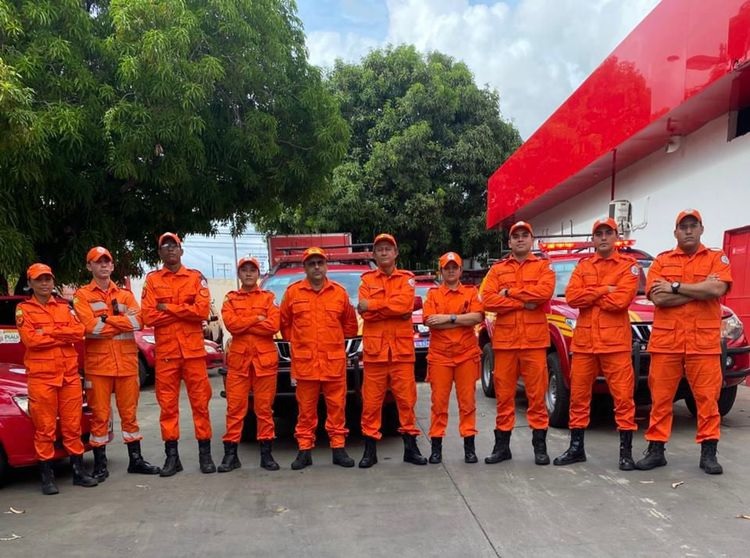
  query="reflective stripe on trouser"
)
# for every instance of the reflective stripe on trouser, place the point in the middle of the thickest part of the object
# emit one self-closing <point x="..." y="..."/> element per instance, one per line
<point x="617" y="368"/>
<point x="377" y="377"/>
<point x="531" y="364"/>
<point x="46" y="403"/>
<point x="704" y="376"/>
<point x="99" y="390"/>
<point x="307" y="393"/>
<point x="442" y="377"/>
<point x="238" y="388"/>
<point x="169" y="373"/>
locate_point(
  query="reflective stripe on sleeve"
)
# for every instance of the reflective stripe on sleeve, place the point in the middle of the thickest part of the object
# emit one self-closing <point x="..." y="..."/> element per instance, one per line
<point x="98" y="306"/>
<point x="124" y="336"/>
<point x="134" y="321"/>
<point x="98" y="328"/>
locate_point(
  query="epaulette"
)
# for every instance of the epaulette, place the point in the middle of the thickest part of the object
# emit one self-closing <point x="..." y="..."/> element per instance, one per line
<point x="368" y="272"/>
<point x="337" y="284"/>
<point x="664" y="253"/>
<point x="406" y="272"/>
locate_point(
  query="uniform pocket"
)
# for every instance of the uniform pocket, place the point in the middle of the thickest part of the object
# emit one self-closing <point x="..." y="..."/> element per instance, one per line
<point x="707" y="335"/>
<point x="662" y="335"/>
<point x="404" y="347"/>
<point x="536" y="326"/>
<point x="372" y="346"/>
<point x="268" y="358"/>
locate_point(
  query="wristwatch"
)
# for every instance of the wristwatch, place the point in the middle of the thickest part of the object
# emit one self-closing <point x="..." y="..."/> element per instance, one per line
<point x="103" y="318"/>
<point x="453" y="318"/>
<point x="676" y="287"/>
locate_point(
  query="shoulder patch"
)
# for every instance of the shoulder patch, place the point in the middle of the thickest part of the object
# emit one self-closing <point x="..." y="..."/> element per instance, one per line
<point x="634" y="270"/>
<point x="724" y="259"/>
<point x="412" y="282"/>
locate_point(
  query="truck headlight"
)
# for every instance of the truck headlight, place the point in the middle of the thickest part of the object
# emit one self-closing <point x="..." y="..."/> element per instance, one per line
<point x="570" y="322"/>
<point x="421" y="328"/>
<point x="731" y="327"/>
<point x="150" y="339"/>
<point x="23" y="402"/>
<point x="210" y="349"/>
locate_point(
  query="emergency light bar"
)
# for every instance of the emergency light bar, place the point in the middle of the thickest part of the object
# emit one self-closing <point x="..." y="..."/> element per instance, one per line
<point x="569" y="246"/>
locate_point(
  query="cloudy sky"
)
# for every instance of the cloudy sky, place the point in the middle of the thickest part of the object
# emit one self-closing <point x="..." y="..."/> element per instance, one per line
<point x="534" y="52"/>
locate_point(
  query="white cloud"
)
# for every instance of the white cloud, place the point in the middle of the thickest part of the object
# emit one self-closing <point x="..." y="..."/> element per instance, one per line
<point x="534" y="52"/>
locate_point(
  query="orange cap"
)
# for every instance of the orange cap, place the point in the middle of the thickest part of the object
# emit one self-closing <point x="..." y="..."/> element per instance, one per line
<point x="167" y="236"/>
<point x="97" y="253"/>
<point x="37" y="270"/>
<point x="521" y="225"/>
<point x="450" y="257"/>
<point x="688" y="213"/>
<point x="248" y="259"/>
<point x="314" y="251"/>
<point x="604" y="222"/>
<point x="385" y="237"/>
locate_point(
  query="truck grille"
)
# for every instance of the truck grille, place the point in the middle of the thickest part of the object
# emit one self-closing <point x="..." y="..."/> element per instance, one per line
<point x="352" y="346"/>
<point x="641" y="331"/>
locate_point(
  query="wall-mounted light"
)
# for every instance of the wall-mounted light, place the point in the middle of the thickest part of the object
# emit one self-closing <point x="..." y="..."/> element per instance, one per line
<point x="674" y="143"/>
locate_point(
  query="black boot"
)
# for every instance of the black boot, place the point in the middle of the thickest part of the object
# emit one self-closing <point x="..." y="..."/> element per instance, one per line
<point x="303" y="459"/>
<point x="708" y="458"/>
<point x="539" y="443"/>
<point x="411" y="450"/>
<point x="204" y="457"/>
<point x="575" y="453"/>
<point x="340" y="457"/>
<point x="100" y="472"/>
<point x="80" y="476"/>
<point x="626" y="450"/>
<point x="470" y="452"/>
<point x="370" y="456"/>
<point x="172" y="464"/>
<point x="501" y="451"/>
<point x="266" y="459"/>
<point x="653" y="457"/>
<point x="436" y="454"/>
<point x="48" y="478"/>
<point x="136" y="463"/>
<point x="230" y="461"/>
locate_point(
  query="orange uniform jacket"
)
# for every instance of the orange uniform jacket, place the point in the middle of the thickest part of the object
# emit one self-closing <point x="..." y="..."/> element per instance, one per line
<point x="48" y="331"/>
<point x="252" y="340"/>
<point x="529" y="281"/>
<point x="178" y="329"/>
<point x="388" y="333"/>
<point x="316" y="324"/>
<point x="110" y="346"/>
<point x="603" y="324"/>
<point x="695" y="327"/>
<point x="455" y="345"/>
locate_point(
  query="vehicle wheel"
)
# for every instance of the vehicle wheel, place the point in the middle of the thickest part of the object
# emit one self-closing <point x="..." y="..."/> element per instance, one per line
<point x="144" y="373"/>
<point x="488" y="370"/>
<point x="557" y="397"/>
<point x="726" y="401"/>
<point x="250" y="427"/>
<point x="3" y="466"/>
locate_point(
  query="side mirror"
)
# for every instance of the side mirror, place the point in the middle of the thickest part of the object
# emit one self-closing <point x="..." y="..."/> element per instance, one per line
<point x="417" y="303"/>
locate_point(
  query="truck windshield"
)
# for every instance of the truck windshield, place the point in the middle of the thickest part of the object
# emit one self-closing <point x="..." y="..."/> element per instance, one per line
<point x="564" y="268"/>
<point x="348" y="279"/>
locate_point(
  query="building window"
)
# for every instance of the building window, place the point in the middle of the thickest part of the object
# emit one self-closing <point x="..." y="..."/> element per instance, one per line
<point x="739" y="123"/>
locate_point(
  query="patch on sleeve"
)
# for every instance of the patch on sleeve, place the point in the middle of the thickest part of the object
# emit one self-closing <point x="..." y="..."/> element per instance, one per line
<point x="19" y="317"/>
<point x="204" y="291"/>
<point x="204" y="283"/>
<point x="411" y="282"/>
<point x="724" y="259"/>
<point x="634" y="270"/>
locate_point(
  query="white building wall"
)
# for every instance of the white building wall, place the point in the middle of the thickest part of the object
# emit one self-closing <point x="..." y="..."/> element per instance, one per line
<point x="707" y="173"/>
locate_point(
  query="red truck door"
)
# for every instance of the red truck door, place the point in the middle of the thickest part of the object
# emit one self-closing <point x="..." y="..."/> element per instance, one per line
<point x="737" y="248"/>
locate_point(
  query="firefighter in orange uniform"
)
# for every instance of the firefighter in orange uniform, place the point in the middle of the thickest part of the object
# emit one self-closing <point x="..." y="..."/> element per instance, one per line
<point x="518" y="289"/>
<point x="451" y="311"/>
<point x="316" y="317"/>
<point x="602" y="288"/>
<point x="48" y="329"/>
<point x="685" y="285"/>
<point x="175" y="302"/>
<point x="386" y="303"/>
<point x="110" y="316"/>
<point x="252" y="317"/>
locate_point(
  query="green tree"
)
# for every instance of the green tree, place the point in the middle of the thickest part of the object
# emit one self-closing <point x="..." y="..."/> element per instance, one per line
<point x="424" y="141"/>
<point x="125" y="118"/>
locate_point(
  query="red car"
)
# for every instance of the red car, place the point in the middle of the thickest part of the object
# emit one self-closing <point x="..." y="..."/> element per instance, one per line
<point x="561" y="319"/>
<point x="16" y="428"/>
<point x="12" y="350"/>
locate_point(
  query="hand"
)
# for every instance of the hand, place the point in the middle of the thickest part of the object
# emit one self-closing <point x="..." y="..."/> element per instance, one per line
<point x="131" y="312"/>
<point x="437" y="319"/>
<point x="661" y="287"/>
<point x="530" y="305"/>
<point x="713" y="277"/>
<point x="161" y="307"/>
<point x="612" y="288"/>
<point x="261" y="318"/>
<point x="362" y="306"/>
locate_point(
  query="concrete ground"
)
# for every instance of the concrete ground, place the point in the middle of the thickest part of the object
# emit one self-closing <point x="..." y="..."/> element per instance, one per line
<point x="395" y="509"/>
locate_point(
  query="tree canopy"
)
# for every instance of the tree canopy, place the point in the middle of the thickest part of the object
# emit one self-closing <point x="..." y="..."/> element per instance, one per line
<point x="122" y="119"/>
<point x="424" y="140"/>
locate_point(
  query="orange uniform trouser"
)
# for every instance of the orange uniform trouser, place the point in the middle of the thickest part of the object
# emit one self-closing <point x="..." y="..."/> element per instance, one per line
<point x="378" y="376"/>
<point x="531" y="364"/>
<point x="238" y="388"/>
<point x="99" y="391"/>
<point x="704" y="376"/>
<point x="307" y="393"/>
<point x="46" y="403"/>
<point x="617" y="368"/>
<point x="441" y="378"/>
<point x="169" y="373"/>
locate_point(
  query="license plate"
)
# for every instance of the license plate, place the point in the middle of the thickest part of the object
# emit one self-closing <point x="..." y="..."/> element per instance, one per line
<point x="421" y="343"/>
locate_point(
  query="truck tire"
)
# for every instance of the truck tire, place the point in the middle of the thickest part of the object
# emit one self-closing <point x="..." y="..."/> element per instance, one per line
<point x="488" y="370"/>
<point x="557" y="398"/>
<point x="726" y="401"/>
<point x="144" y="373"/>
<point x="3" y="466"/>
